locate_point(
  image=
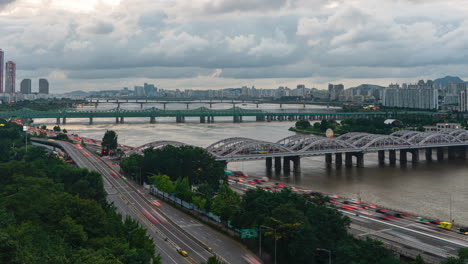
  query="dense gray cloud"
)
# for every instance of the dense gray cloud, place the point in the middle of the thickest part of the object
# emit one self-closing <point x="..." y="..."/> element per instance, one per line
<point x="218" y="41"/>
<point x="3" y="3"/>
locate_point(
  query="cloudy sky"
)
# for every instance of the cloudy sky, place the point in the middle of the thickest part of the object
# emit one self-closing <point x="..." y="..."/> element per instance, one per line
<point x="109" y="44"/>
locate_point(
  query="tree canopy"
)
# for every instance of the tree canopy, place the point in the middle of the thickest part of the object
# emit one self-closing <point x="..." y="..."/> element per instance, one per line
<point x="109" y="141"/>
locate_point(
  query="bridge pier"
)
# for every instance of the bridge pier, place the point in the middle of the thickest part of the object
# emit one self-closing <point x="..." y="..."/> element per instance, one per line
<point x="95" y="105"/>
<point x="281" y="105"/>
<point x="278" y="163"/>
<point x="202" y="119"/>
<point x="187" y="106"/>
<point x="349" y="160"/>
<point x="164" y="106"/>
<point x="57" y="122"/>
<point x="180" y="119"/>
<point x="296" y="163"/>
<point x="64" y="120"/>
<point x="381" y="154"/>
<point x="90" y="120"/>
<point x="328" y="159"/>
<point x="211" y="105"/>
<point x="428" y="154"/>
<point x="403" y="156"/>
<point x="287" y="165"/>
<point x="122" y="120"/>
<point x="360" y="160"/>
<point x="141" y="105"/>
<point x="152" y="120"/>
<point x="392" y="156"/>
<point x="414" y="155"/>
<point x="338" y="160"/>
<point x="257" y="105"/>
<point x="118" y="105"/>
<point x="440" y="154"/>
<point x="211" y="118"/>
<point x="269" y="163"/>
<point x="117" y="120"/>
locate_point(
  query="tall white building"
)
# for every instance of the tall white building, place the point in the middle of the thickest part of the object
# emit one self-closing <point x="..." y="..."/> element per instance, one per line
<point x="463" y="101"/>
<point x="416" y="96"/>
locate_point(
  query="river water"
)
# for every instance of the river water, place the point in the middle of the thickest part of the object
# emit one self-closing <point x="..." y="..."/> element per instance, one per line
<point x="433" y="189"/>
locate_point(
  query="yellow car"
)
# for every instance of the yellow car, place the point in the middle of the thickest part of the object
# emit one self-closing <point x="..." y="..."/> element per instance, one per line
<point x="183" y="253"/>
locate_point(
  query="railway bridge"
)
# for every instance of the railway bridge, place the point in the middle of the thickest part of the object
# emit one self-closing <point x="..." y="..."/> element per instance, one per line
<point x="349" y="148"/>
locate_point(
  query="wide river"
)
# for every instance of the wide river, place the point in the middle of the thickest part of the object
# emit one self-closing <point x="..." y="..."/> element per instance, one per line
<point x="433" y="189"/>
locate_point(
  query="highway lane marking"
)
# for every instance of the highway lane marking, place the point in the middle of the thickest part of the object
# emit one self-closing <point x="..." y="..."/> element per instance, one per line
<point x="410" y="230"/>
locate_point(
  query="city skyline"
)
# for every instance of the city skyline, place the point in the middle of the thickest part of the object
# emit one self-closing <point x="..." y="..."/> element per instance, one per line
<point x="121" y="43"/>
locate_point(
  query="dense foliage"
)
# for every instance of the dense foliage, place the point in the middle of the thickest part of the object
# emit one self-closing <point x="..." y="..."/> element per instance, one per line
<point x="192" y="163"/>
<point x="40" y="104"/>
<point x="109" y="141"/>
<point x="302" y="226"/>
<point x="53" y="213"/>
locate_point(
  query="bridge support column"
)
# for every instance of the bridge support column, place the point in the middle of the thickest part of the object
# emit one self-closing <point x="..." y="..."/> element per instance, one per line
<point x="257" y="105"/>
<point x="141" y="105"/>
<point x="360" y="160"/>
<point x="428" y="154"/>
<point x="348" y="160"/>
<point x="392" y="156"/>
<point x="403" y="157"/>
<point x="187" y="106"/>
<point x="57" y="121"/>
<point x="415" y="155"/>
<point x="164" y="106"/>
<point x="440" y="154"/>
<point x="278" y="163"/>
<point x="118" y="105"/>
<point x="90" y="120"/>
<point x="297" y="163"/>
<point x="152" y="120"/>
<point x="338" y="160"/>
<point x="281" y="105"/>
<point x="381" y="154"/>
<point x="202" y="119"/>
<point x="235" y="119"/>
<point x="95" y="105"/>
<point x="212" y="119"/>
<point x="122" y="120"/>
<point x="64" y="120"/>
<point x="211" y="105"/>
<point x="117" y="120"/>
<point x="328" y="159"/>
<point x="452" y="153"/>
<point x="287" y="165"/>
<point x="269" y="163"/>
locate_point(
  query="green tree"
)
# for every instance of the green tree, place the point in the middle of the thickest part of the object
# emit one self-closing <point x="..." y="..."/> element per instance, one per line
<point x="57" y="129"/>
<point x="109" y="141"/>
<point x="214" y="260"/>
<point x="44" y="127"/>
<point x="302" y="124"/>
<point x="65" y="131"/>
<point x="182" y="189"/>
<point x="163" y="183"/>
<point x="226" y="203"/>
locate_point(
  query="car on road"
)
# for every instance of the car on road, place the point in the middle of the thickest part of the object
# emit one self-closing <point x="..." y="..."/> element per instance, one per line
<point x="388" y="217"/>
<point x="183" y="253"/>
<point x="349" y="207"/>
<point x="352" y="201"/>
<point x="381" y="210"/>
<point x="423" y="221"/>
<point x="463" y="230"/>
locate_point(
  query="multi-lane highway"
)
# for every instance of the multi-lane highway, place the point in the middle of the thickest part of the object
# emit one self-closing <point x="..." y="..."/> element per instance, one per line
<point x="170" y="229"/>
<point x="404" y="235"/>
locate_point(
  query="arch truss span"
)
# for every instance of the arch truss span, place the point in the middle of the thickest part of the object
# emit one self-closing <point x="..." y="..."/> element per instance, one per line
<point x="380" y="142"/>
<point x="223" y="144"/>
<point x="432" y="139"/>
<point x="156" y="145"/>
<point x="463" y="137"/>
<point x="328" y="145"/>
<point x="405" y="134"/>
<point x="255" y="147"/>
<point x="298" y="142"/>
<point x="352" y="136"/>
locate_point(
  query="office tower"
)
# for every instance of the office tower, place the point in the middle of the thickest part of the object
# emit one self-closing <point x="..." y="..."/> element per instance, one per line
<point x="43" y="86"/>
<point x="25" y="87"/>
<point x="2" y="54"/>
<point x="10" y="80"/>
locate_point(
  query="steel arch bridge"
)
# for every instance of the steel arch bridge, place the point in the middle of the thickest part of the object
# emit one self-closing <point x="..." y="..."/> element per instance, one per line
<point x="156" y="145"/>
<point x="240" y="148"/>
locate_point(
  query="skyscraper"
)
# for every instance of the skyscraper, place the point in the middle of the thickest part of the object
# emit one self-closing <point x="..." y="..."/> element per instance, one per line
<point x="25" y="86"/>
<point x="10" y="80"/>
<point x="43" y="86"/>
<point x="2" y="54"/>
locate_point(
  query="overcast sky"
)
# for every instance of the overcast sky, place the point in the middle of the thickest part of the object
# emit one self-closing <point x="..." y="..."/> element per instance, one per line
<point x="110" y="44"/>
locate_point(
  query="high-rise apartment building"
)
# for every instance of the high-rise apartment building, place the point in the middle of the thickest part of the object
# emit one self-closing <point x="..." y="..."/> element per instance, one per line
<point x="10" y="80"/>
<point x="43" y="86"/>
<point x="463" y="101"/>
<point x="25" y="87"/>
<point x="2" y="55"/>
<point x="335" y="90"/>
<point x="414" y="96"/>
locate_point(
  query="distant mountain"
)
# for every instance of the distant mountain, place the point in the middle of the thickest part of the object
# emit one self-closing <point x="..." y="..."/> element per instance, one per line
<point x="448" y="79"/>
<point x="78" y="93"/>
<point x="366" y="86"/>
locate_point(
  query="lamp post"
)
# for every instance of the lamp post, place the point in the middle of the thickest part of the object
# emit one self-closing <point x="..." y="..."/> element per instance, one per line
<point x="260" y="239"/>
<point x="326" y="250"/>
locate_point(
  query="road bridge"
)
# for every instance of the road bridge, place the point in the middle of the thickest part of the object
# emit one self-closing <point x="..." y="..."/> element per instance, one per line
<point x="349" y="148"/>
<point x="206" y="115"/>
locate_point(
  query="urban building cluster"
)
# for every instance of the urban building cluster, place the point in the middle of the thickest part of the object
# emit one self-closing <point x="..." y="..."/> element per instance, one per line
<point x="8" y="87"/>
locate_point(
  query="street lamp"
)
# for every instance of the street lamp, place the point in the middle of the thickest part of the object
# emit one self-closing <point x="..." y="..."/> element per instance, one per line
<point x="326" y="250"/>
<point x="260" y="239"/>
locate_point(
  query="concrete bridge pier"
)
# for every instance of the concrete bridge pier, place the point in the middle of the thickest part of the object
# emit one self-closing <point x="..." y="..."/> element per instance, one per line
<point x="64" y="120"/>
<point x="278" y="163"/>
<point x="287" y="165"/>
<point x="116" y="120"/>
<point x="118" y="105"/>
<point x="187" y="105"/>
<point x="349" y="160"/>
<point x="440" y="154"/>
<point x="281" y="105"/>
<point x="141" y="105"/>
<point x="212" y="119"/>
<point x="180" y="119"/>
<point x="453" y="153"/>
<point x="202" y="119"/>
<point x="381" y="154"/>
<point x="90" y="120"/>
<point x="403" y="156"/>
<point x="211" y="105"/>
<point x="296" y="163"/>
<point x="269" y="163"/>
<point x="328" y="159"/>
<point x="338" y="160"/>
<point x="95" y="105"/>
<point x="428" y="154"/>
<point x="122" y="120"/>
<point x="392" y="156"/>
<point x="360" y="160"/>
<point x="236" y="119"/>
<point x="414" y="155"/>
<point x="257" y="105"/>
<point x="152" y="120"/>
<point x="57" y="121"/>
<point x="164" y="106"/>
